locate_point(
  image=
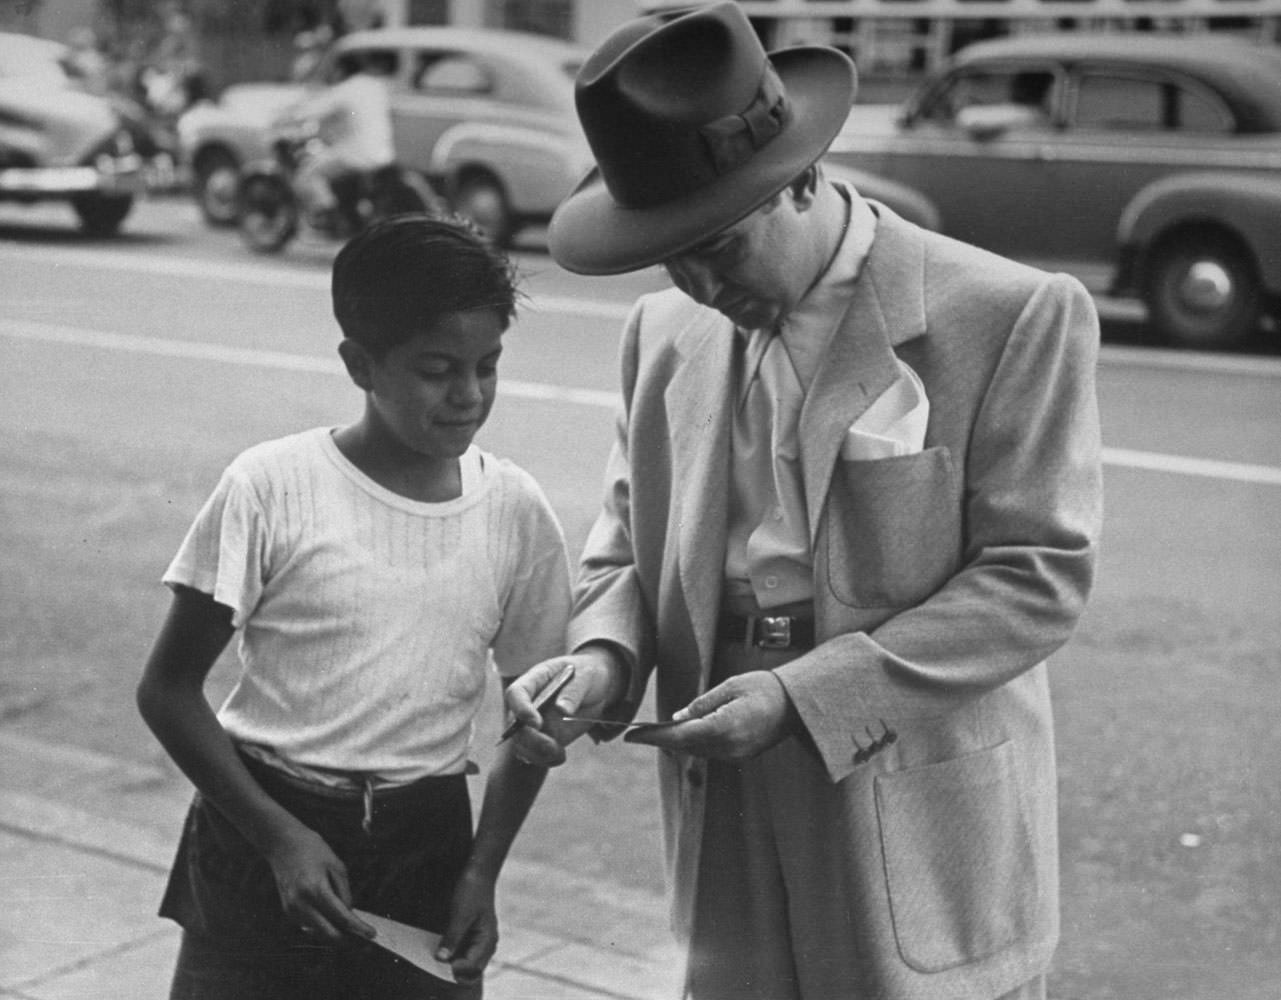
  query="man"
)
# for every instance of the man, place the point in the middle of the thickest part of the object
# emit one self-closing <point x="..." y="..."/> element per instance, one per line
<point x="851" y="508"/>
<point x="352" y="118"/>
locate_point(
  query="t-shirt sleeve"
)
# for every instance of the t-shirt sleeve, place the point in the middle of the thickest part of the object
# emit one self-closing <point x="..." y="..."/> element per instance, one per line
<point x="224" y="552"/>
<point x="536" y="612"/>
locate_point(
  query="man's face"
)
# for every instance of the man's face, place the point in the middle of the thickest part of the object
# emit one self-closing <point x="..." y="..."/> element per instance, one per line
<point x="754" y="271"/>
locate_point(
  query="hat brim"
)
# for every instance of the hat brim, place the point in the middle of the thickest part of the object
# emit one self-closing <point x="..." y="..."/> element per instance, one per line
<point x="590" y="233"/>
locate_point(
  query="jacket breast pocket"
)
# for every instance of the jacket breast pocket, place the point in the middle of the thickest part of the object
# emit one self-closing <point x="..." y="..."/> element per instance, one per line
<point x="893" y="529"/>
<point x="959" y="866"/>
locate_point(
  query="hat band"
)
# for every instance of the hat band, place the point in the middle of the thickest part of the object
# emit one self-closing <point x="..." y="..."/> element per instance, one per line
<point x="733" y="139"/>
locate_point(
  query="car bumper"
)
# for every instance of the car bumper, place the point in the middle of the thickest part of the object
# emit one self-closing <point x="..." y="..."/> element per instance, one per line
<point x="128" y="174"/>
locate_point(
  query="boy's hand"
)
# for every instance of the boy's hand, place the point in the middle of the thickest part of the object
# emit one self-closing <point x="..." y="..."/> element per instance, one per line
<point x="313" y="886"/>
<point x="598" y="681"/>
<point x="471" y="938"/>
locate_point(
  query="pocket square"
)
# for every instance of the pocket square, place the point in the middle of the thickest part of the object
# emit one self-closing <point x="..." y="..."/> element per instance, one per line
<point x="894" y="424"/>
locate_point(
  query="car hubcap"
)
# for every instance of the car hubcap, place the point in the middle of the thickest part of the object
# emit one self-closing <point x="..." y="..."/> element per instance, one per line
<point x="221" y="189"/>
<point x="1206" y="287"/>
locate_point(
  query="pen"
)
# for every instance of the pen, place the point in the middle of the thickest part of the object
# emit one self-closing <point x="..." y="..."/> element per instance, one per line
<point x="557" y="685"/>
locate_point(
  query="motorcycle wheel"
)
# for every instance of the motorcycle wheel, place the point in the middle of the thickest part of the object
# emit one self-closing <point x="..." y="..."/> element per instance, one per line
<point x="269" y="213"/>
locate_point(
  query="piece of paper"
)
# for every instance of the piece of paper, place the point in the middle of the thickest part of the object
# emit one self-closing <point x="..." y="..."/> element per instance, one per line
<point x="413" y="944"/>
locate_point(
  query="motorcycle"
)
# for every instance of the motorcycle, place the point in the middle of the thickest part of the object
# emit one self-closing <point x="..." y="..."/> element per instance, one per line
<point x="274" y="207"/>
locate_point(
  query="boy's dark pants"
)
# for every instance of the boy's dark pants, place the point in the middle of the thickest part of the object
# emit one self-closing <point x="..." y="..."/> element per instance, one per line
<point x="237" y="943"/>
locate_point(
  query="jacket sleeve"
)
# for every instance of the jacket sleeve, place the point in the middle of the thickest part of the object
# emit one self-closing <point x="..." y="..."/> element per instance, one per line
<point x="1032" y="509"/>
<point x="609" y="605"/>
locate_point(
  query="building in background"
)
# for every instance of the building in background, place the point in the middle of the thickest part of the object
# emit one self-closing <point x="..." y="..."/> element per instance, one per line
<point x="892" y="41"/>
<point x="897" y="40"/>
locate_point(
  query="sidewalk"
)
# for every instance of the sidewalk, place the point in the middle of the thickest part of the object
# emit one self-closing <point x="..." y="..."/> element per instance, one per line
<point x="86" y="841"/>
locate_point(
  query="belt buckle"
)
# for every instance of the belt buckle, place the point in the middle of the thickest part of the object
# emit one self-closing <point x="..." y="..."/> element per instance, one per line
<point x="774" y="632"/>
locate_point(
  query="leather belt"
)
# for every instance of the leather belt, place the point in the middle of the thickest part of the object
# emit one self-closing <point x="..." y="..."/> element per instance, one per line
<point x="768" y="631"/>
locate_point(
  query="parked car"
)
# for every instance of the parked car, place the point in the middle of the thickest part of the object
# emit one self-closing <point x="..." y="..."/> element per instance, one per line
<point x="487" y="116"/>
<point x="60" y="142"/>
<point x="1155" y="158"/>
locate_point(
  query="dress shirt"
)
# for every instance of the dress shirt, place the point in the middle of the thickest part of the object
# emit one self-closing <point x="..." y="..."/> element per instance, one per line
<point x="768" y="541"/>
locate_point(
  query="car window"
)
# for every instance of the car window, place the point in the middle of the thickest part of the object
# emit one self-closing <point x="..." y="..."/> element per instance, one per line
<point x="1028" y="91"/>
<point x="1133" y="103"/>
<point x="452" y="73"/>
<point x="383" y="62"/>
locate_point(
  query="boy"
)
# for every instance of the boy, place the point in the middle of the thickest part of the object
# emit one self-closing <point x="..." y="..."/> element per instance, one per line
<point x="370" y="570"/>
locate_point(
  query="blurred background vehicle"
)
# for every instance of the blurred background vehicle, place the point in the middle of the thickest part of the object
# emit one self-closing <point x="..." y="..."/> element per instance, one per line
<point x="275" y="205"/>
<point x="60" y="140"/>
<point x="486" y="116"/>
<point x="1152" y="160"/>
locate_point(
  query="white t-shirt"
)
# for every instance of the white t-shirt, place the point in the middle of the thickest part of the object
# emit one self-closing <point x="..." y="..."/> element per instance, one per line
<point x="355" y="121"/>
<point x="367" y="619"/>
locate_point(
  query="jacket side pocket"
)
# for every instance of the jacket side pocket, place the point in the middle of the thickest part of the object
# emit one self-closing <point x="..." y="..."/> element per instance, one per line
<point x="959" y="867"/>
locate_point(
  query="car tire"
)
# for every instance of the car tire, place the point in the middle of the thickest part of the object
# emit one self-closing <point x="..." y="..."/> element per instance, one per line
<point x="102" y="214"/>
<point x="1202" y="290"/>
<point x="268" y="213"/>
<point x="481" y="198"/>
<point x="217" y="177"/>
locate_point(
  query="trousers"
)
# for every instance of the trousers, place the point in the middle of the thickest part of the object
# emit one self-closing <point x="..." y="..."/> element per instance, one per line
<point x="403" y="862"/>
<point x="777" y="914"/>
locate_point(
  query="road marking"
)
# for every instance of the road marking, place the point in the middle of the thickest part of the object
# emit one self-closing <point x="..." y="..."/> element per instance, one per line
<point x="273" y="276"/>
<point x="539" y="391"/>
<point x="257" y="358"/>
<point x="266" y="274"/>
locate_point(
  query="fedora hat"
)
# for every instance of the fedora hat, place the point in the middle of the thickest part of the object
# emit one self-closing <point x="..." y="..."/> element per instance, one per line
<point x="693" y="126"/>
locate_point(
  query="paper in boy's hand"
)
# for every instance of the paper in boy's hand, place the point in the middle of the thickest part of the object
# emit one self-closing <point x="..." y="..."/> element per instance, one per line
<point x="413" y="944"/>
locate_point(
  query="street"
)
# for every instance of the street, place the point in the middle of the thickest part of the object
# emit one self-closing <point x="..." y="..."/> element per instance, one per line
<point x="134" y="370"/>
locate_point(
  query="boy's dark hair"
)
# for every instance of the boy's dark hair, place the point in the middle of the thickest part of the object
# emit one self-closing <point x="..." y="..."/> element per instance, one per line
<point x="397" y="278"/>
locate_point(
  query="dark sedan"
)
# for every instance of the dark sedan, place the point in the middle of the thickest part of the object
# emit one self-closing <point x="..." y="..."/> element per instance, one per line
<point x="1156" y="158"/>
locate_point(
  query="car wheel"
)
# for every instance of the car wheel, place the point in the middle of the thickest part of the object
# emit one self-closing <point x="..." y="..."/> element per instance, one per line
<point x="268" y="213"/>
<point x="102" y="214"/>
<point x="1202" y="290"/>
<point x="480" y="198"/>
<point x="217" y="186"/>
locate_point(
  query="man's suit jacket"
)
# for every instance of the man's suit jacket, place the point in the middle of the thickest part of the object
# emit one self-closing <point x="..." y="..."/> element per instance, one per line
<point x="942" y="581"/>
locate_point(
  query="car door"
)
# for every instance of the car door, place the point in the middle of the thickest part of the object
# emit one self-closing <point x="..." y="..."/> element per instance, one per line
<point x="977" y="147"/>
<point x="447" y="87"/>
<point x="1125" y="128"/>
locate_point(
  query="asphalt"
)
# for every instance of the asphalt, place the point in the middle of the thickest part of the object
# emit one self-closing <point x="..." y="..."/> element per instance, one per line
<point x="86" y="841"/>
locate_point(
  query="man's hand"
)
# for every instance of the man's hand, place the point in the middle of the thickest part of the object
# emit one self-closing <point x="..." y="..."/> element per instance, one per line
<point x="313" y="886"/>
<point x="599" y="680"/>
<point x="471" y="938"/>
<point x="737" y="719"/>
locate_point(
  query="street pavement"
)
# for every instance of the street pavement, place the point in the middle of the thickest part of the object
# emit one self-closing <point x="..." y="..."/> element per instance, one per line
<point x="86" y="841"/>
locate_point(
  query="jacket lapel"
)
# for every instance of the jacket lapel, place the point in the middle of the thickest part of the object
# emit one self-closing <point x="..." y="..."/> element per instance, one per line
<point x="698" y="402"/>
<point x="887" y="308"/>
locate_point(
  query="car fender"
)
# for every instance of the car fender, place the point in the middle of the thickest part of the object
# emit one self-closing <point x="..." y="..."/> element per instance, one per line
<point x="536" y="167"/>
<point x="1249" y="206"/>
<point x="903" y="200"/>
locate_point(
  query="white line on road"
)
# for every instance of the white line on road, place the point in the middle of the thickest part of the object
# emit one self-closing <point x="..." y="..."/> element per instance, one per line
<point x="261" y="272"/>
<point x="540" y="391"/>
<point x="271" y="276"/>
<point x="257" y="358"/>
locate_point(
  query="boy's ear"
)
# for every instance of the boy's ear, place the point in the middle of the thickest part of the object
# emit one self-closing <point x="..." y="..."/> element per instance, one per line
<point x="358" y="363"/>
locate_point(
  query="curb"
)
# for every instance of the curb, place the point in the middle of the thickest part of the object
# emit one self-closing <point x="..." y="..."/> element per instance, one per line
<point x="564" y="936"/>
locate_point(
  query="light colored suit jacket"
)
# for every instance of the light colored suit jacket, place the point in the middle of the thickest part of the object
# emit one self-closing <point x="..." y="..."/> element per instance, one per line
<point x="942" y="581"/>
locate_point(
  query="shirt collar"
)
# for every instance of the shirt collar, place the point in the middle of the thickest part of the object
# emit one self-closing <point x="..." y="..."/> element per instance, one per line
<point x="807" y="328"/>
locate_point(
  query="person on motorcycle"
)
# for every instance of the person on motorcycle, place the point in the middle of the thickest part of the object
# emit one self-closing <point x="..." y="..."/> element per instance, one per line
<point x="352" y="121"/>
